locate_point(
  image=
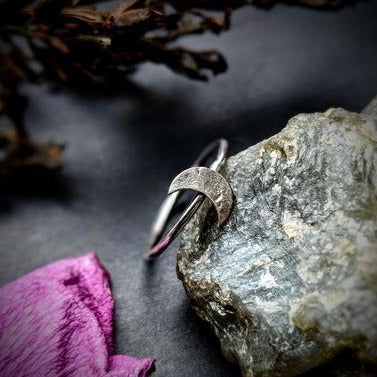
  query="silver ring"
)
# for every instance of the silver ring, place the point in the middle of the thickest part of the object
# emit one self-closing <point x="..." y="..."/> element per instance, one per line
<point x="207" y="182"/>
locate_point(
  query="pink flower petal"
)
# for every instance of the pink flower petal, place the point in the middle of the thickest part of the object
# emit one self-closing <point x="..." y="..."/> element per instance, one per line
<point x="57" y="321"/>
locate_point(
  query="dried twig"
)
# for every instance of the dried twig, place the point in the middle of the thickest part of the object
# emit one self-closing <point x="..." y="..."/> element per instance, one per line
<point x="75" y="41"/>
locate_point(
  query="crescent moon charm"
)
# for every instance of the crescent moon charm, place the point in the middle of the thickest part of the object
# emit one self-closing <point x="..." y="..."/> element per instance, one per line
<point x="209" y="183"/>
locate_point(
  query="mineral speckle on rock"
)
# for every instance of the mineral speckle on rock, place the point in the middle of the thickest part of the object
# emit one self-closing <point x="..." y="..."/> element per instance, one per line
<point x="289" y="283"/>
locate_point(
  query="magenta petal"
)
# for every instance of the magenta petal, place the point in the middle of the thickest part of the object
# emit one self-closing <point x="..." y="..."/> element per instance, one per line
<point x="57" y="321"/>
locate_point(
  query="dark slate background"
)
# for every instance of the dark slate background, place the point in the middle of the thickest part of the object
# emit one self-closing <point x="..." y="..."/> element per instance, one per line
<point x="123" y="149"/>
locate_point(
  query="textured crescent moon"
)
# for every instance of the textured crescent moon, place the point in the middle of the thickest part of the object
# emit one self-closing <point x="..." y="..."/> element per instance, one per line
<point x="209" y="183"/>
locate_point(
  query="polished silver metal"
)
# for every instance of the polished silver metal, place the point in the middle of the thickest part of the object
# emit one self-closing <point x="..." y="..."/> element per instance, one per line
<point x="208" y="182"/>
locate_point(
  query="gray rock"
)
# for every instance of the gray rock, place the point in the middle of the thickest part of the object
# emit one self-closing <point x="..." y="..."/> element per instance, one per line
<point x="290" y="282"/>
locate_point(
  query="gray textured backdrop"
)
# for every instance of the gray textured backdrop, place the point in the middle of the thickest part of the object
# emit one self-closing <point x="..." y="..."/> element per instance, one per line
<point x="123" y="149"/>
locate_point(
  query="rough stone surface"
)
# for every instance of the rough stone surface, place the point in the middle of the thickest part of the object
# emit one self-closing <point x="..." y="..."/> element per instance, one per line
<point x="290" y="282"/>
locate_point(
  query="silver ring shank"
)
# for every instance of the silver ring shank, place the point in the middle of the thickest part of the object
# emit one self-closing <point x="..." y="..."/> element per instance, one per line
<point x="157" y="244"/>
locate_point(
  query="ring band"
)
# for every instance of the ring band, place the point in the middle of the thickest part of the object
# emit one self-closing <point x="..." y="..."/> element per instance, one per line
<point x="207" y="182"/>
